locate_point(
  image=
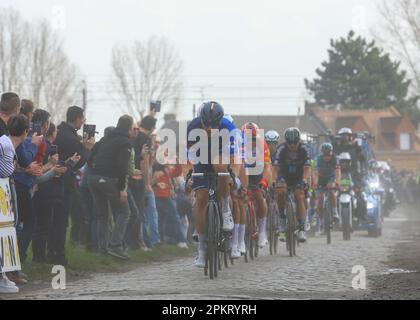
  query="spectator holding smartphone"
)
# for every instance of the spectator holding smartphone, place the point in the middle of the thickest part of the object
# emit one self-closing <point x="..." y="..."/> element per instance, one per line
<point x="46" y="197"/>
<point x="143" y="192"/>
<point x="25" y="181"/>
<point x="68" y="145"/>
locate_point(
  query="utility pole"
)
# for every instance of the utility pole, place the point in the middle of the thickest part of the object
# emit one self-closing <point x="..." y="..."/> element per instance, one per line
<point x="194" y="110"/>
<point x="84" y="95"/>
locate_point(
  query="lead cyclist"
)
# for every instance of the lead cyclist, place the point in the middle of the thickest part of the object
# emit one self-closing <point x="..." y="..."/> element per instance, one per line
<point x="211" y="120"/>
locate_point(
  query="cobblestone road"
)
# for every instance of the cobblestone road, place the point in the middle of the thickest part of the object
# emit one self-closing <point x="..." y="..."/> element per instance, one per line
<point x="318" y="272"/>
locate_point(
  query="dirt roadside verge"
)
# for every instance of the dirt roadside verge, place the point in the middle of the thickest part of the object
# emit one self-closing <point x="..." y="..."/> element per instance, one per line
<point x="402" y="282"/>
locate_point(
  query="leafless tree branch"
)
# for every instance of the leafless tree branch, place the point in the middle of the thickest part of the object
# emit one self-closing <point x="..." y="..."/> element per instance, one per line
<point x="147" y="71"/>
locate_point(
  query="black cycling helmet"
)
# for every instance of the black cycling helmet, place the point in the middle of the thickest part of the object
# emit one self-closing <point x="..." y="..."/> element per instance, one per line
<point x="326" y="148"/>
<point x="292" y="135"/>
<point x="211" y="114"/>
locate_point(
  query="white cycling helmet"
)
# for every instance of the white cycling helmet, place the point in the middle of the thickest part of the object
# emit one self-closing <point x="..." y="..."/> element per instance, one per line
<point x="272" y="136"/>
<point x="345" y="156"/>
<point x="345" y="131"/>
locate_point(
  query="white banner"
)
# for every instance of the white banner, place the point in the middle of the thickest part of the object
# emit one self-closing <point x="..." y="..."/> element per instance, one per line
<point x="9" y="253"/>
<point x="6" y="209"/>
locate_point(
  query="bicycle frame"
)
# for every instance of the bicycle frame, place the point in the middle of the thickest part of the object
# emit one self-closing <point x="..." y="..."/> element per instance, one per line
<point x="291" y="222"/>
<point x="214" y="232"/>
<point x="273" y="219"/>
<point x="252" y="223"/>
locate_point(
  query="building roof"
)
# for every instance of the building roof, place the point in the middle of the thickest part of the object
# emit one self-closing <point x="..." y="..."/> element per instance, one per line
<point x="389" y="125"/>
<point x="382" y="123"/>
<point x="329" y="116"/>
<point x="280" y="123"/>
<point x="346" y="122"/>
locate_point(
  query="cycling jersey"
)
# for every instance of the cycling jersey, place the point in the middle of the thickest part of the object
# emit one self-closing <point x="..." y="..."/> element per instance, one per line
<point x="291" y="163"/>
<point x="326" y="169"/>
<point x="261" y="160"/>
<point x="232" y="147"/>
<point x="225" y="124"/>
<point x="264" y="159"/>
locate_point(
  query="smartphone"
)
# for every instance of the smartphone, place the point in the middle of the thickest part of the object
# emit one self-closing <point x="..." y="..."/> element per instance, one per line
<point x="36" y="127"/>
<point x="53" y="149"/>
<point x="90" y="130"/>
<point x="155" y="105"/>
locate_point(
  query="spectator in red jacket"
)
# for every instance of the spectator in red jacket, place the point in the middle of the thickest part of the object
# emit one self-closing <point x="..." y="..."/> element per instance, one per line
<point x="169" y="220"/>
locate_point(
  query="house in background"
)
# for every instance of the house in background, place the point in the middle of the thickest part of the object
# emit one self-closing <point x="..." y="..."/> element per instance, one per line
<point x="305" y="123"/>
<point x="396" y="138"/>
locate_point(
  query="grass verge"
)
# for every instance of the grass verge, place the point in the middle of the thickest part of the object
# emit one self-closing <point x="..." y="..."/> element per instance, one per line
<point x="82" y="262"/>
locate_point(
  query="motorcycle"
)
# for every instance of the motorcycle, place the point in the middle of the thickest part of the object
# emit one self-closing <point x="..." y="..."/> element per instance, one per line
<point x="346" y="204"/>
<point x="375" y="196"/>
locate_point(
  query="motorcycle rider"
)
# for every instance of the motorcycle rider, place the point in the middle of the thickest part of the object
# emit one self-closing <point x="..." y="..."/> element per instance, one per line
<point x="358" y="167"/>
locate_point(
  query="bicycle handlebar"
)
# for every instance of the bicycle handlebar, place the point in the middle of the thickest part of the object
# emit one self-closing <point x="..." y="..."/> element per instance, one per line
<point x="230" y="174"/>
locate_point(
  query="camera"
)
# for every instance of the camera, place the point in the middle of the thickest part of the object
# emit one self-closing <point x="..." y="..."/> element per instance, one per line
<point x="53" y="149"/>
<point x="90" y="130"/>
<point x="155" y="105"/>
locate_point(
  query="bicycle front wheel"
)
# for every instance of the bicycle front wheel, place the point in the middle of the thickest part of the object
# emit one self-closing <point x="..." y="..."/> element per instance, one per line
<point x="213" y="239"/>
<point x="327" y="222"/>
<point x="291" y="228"/>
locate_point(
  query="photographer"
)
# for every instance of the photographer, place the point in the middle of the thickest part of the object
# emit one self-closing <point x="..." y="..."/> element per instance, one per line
<point x="68" y="145"/>
<point x="107" y="181"/>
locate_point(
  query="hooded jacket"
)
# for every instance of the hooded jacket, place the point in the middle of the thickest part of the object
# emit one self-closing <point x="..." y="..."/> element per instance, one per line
<point x="110" y="156"/>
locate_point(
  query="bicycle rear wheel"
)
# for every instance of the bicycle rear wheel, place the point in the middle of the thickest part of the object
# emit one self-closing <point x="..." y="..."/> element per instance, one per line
<point x="271" y="229"/>
<point x="276" y="223"/>
<point x="252" y="232"/>
<point x="247" y="235"/>
<point x="346" y="218"/>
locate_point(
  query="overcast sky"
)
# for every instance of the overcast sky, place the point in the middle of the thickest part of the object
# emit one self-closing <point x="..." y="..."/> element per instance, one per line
<point x="252" y="56"/>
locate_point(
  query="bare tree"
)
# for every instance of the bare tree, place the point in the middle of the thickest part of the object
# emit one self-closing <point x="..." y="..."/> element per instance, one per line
<point x="147" y="71"/>
<point x="400" y="33"/>
<point x="13" y="39"/>
<point x="34" y="64"/>
<point x="50" y="75"/>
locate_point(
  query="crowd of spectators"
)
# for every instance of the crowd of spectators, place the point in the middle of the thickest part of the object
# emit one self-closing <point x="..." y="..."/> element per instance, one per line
<point x="112" y="193"/>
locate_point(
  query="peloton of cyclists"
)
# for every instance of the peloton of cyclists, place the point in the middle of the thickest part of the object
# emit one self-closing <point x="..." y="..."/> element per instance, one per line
<point x="287" y="164"/>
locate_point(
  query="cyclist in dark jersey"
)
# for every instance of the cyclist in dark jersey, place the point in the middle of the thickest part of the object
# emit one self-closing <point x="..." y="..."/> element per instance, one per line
<point x="327" y="176"/>
<point x="293" y="169"/>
